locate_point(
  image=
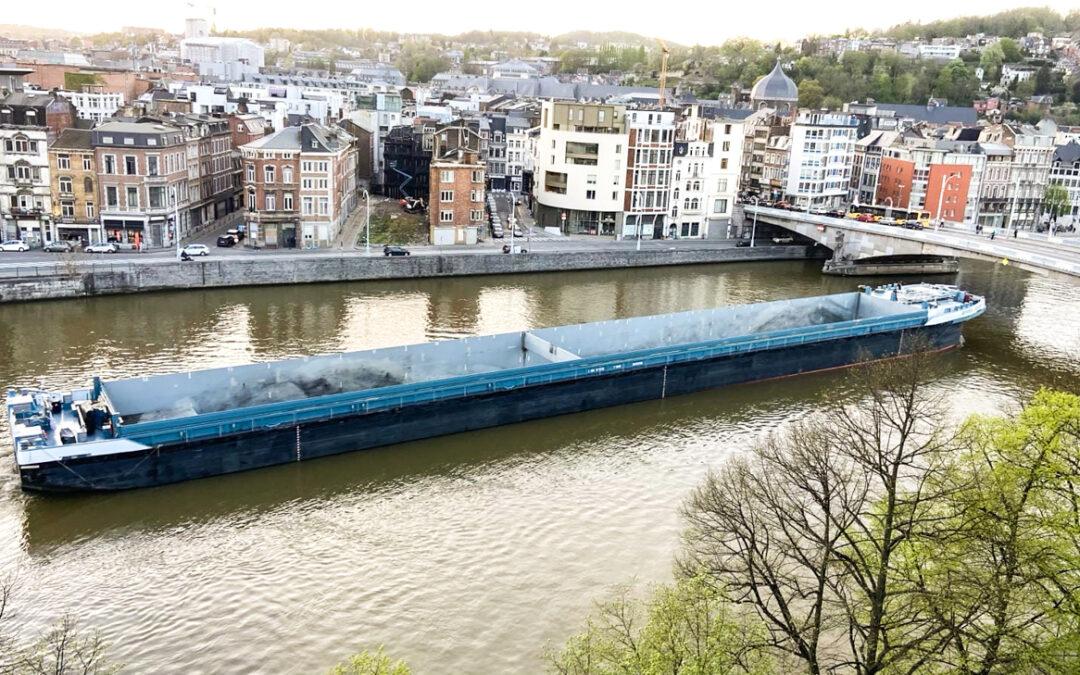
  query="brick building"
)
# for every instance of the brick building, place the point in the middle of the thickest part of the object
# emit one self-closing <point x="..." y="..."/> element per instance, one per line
<point x="143" y="182"/>
<point x="73" y="177"/>
<point x="456" y="179"/>
<point x="894" y="182"/>
<point x="299" y="186"/>
<point x="948" y="184"/>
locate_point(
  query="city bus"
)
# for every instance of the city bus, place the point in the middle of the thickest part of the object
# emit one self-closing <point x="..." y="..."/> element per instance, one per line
<point x="892" y="216"/>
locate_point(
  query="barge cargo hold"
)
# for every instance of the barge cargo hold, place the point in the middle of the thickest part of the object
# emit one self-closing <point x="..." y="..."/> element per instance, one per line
<point x="150" y="431"/>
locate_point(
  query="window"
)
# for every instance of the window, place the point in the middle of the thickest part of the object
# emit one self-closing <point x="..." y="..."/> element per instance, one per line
<point x="89" y="210"/>
<point x="476" y="195"/>
<point x="271" y="202"/>
<point x="476" y="215"/>
<point x="720" y="206"/>
<point x="63" y="162"/>
<point x="151" y="165"/>
<point x="446" y="195"/>
<point x="270" y="173"/>
<point x="131" y="166"/>
<point x="67" y="209"/>
<point x="324" y="206"/>
<point x="723" y="163"/>
<point x="128" y="140"/>
<point x="87" y="163"/>
<point x="157" y="197"/>
<point x="88" y="185"/>
<point x="286" y="201"/>
<point x="590" y="194"/>
<point x="478" y="176"/>
<point x="111" y="198"/>
<point x="251" y="200"/>
<point x="446" y="216"/>
<point x="65" y="185"/>
<point x="132" y="197"/>
<point x="110" y="164"/>
<point x="107" y="140"/>
<point x="446" y="176"/>
<point x="286" y="174"/>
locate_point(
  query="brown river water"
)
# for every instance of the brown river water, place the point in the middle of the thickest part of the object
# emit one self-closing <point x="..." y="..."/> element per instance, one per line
<point x="466" y="553"/>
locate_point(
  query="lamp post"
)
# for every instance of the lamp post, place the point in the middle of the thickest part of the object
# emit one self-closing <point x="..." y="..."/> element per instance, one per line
<point x="176" y="220"/>
<point x="753" y="228"/>
<point x="941" y="196"/>
<point x="367" y="223"/>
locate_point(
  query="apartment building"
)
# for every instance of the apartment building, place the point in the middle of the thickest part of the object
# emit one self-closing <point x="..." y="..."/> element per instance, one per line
<point x="457" y="180"/>
<point x="518" y="157"/>
<point x="143" y="179"/>
<point x="1065" y="171"/>
<point x="650" y="151"/>
<point x="25" y="195"/>
<point x="766" y="144"/>
<point x="995" y="185"/>
<point x="211" y="168"/>
<point x="866" y="166"/>
<point x="73" y="179"/>
<point x="94" y="102"/>
<point x="1032" y="150"/>
<point x="705" y="174"/>
<point x="580" y="173"/>
<point x="822" y="154"/>
<point x="299" y="187"/>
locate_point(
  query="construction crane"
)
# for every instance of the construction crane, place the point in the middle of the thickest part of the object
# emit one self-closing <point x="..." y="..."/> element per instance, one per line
<point x="664" y="53"/>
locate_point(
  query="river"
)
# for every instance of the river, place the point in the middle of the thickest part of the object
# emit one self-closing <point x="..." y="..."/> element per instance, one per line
<point x="460" y="554"/>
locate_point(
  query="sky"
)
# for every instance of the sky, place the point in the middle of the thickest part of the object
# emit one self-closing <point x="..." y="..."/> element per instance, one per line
<point x="688" y="22"/>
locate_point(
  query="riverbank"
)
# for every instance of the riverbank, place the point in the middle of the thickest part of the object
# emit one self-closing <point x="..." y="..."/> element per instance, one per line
<point x="74" y="279"/>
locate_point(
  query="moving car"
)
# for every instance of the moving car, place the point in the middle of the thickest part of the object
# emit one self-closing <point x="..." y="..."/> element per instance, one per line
<point x="14" y="246"/>
<point x="195" y="249"/>
<point x="395" y="251"/>
<point x="783" y="240"/>
<point x="58" y="246"/>
<point x="101" y="248"/>
<point x="226" y="241"/>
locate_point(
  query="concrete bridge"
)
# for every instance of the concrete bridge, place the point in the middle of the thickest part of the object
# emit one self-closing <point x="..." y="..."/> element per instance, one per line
<point x="861" y="240"/>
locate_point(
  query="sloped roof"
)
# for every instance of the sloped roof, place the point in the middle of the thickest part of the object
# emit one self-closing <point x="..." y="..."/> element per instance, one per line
<point x="73" y="139"/>
<point x="938" y="114"/>
<point x="1068" y="153"/>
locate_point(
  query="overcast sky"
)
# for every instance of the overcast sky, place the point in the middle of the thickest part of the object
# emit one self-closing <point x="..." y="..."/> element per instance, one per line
<point x="692" y="22"/>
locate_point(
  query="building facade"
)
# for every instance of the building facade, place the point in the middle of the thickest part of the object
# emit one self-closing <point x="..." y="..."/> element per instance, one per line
<point x="25" y="192"/>
<point x="650" y="152"/>
<point x="822" y="154"/>
<point x="73" y="177"/>
<point x="457" y="180"/>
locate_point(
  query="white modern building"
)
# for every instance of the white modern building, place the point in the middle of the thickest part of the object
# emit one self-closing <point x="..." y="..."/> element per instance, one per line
<point x="94" y="103"/>
<point x="25" y="192"/>
<point x="225" y="58"/>
<point x="939" y="52"/>
<point x="580" y="174"/>
<point x="822" y="154"/>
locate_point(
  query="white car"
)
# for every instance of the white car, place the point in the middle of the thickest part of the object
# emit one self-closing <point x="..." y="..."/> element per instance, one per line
<point x="14" y="245"/>
<point x="100" y="248"/>
<point x="195" y="249"/>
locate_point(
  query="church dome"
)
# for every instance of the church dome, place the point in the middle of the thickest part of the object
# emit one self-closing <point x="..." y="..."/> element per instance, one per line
<point x="776" y="86"/>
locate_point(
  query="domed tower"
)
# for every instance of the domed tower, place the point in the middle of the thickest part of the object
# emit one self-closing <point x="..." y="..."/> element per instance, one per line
<point x="776" y="90"/>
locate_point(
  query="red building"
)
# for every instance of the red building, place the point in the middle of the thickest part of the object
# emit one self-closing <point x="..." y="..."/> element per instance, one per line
<point x="954" y="179"/>
<point x="894" y="182"/>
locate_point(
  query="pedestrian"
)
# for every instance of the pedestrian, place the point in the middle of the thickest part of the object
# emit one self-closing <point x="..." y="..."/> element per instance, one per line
<point x="993" y="233"/>
<point x="1016" y="233"/>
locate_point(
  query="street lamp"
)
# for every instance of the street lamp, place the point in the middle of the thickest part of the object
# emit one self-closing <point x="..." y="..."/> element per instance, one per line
<point x="176" y="220"/>
<point x="367" y="223"/>
<point x="941" y="196"/>
<point x="753" y="229"/>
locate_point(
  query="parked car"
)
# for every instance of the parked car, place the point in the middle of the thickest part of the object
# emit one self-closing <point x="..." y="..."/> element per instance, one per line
<point x="195" y="249"/>
<point x="742" y="243"/>
<point x="235" y="234"/>
<point x="226" y="241"/>
<point x="58" y="246"/>
<point x="14" y="246"/>
<point x="101" y="248"/>
<point x="395" y="251"/>
<point x="818" y="211"/>
<point x="835" y="213"/>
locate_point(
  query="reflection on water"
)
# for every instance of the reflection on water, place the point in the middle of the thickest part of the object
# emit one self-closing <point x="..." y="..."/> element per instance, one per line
<point x="475" y="548"/>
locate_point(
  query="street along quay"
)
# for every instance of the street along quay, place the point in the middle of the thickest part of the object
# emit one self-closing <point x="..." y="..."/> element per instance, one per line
<point x="71" y="277"/>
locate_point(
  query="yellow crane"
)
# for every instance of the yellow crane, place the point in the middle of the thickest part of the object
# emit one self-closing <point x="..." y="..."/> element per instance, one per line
<point x="664" y="53"/>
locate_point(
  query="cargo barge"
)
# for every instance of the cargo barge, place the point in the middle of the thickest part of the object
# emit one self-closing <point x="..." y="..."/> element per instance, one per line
<point x="150" y="431"/>
<point x="892" y="265"/>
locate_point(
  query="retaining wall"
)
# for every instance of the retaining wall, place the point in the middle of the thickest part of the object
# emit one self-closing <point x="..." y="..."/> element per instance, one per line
<point x="90" y="278"/>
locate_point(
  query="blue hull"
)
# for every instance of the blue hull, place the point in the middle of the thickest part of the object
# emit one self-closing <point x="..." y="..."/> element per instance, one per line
<point x="172" y="463"/>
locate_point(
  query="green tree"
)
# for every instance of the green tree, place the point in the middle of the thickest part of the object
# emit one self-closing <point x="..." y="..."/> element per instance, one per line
<point x="687" y="628"/>
<point x="811" y="94"/>
<point x="371" y="663"/>
<point x="1055" y="200"/>
<point x="991" y="60"/>
<point x="1010" y="51"/>
<point x="1001" y="570"/>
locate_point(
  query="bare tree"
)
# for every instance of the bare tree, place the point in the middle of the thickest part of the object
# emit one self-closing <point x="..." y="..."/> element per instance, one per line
<point x="805" y="528"/>
<point x="64" y="650"/>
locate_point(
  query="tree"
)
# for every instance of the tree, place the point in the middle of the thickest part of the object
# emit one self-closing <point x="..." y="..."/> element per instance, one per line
<point x="806" y="530"/>
<point x="991" y="60"/>
<point x="811" y="94"/>
<point x="1010" y="51"/>
<point x="687" y="628"/>
<point x="1002" y="571"/>
<point x="1056" y="200"/>
<point x="65" y="650"/>
<point x="368" y="663"/>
